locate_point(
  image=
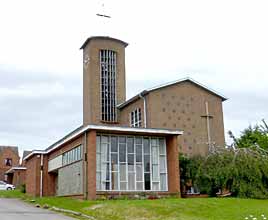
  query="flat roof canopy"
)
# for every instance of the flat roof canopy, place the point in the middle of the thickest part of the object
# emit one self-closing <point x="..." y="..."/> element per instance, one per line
<point x="106" y="129"/>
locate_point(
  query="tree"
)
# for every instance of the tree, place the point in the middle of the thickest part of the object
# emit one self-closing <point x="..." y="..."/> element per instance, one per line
<point x="257" y="135"/>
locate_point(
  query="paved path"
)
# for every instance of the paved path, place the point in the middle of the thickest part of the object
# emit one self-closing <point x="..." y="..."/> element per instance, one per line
<point x="13" y="209"/>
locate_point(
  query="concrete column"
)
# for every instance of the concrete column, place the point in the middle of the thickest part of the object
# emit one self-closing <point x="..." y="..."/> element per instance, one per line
<point x="173" y="165"/>
<point x="91" y="163"/>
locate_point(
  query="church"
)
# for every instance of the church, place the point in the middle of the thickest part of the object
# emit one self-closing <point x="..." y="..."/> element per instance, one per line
<point x="126" y="147"/>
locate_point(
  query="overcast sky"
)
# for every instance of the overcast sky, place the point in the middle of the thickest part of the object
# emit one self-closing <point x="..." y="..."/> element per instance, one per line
<point x="222" y="44"/>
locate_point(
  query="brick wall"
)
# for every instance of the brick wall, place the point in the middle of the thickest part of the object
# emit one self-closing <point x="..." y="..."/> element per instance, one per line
<point x="7" y="152"/>
<point x="33" y="175"/>
<point x="181" y="106"/>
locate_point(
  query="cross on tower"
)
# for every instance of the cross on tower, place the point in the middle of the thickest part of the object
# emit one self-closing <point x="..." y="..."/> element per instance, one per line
<point x="207" y="116"/>
<point x="103" y="14"/>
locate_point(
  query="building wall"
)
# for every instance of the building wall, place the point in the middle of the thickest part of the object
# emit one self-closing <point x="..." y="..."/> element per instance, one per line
<point x="19" y="178"/>
<point x="125" y="114"/>
<point x="91" y="78"/>
<point x="7" y="152"/>
<point x="33" y="175"/>
<point x="70" y="179"/>
<point x="181" y="106"/>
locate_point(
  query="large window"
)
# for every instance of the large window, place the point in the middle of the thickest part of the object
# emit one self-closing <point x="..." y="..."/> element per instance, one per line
<point x="135" y="118"/>
<point x="108" y="85"/>
<point x="131" y="163"/>
<point x="72" y="156"/>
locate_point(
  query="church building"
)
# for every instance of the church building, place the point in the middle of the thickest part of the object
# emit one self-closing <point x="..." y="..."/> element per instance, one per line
<point x="126" y="146"/>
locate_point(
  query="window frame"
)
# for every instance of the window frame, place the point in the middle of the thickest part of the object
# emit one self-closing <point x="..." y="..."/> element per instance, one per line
<point x="99" y="181"/>
<point x="135" y="118"/>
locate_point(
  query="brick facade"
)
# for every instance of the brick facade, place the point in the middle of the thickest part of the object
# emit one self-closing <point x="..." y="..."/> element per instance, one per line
<point x="181" y="106"/>
<point x="8" y="152"/>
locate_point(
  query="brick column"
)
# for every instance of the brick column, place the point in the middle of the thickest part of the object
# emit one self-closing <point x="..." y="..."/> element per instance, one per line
<point x="173" y="165"/>
<point x="91" y="163"/>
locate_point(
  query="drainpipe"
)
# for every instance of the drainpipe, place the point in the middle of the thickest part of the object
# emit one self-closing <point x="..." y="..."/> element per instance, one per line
<point x="144" y="109"/>
<point x="41" y="175"/>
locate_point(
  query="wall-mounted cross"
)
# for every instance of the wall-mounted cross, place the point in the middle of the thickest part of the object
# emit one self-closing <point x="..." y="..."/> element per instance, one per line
<point x="207" y="116"/>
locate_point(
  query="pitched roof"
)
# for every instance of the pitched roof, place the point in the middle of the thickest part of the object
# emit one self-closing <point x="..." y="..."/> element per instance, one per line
<point x="25" y="153"/>
<point x="187" y="79"/>
<point x="13" y="148"/>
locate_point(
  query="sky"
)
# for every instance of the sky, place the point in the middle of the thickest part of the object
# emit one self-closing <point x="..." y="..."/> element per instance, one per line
<point x="222" y="44"/>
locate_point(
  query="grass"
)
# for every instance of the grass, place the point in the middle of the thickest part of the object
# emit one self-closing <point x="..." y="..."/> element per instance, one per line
<point x="162" y="209"/>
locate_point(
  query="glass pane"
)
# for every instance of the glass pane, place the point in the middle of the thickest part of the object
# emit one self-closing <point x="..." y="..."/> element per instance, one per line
<point x="104" y="152"/>
<point x="162" y="147"/>
<point x="98" y="181"/>
<point x="98" y="162"/>
<point x="104" y="139"/>
<point x="139" y="186"/>
<point x="131" y="181"/>
<point x="114" y="181"/>
<point x="107" y="172"/>
<point x="138" y="153"/>
<point x="154" y="142"/>
<point x="98" y="145"/>
<point x="139" y="172"/>
<point x="130" y="168"/>
<point x="146" y="146"/>
<point x="114" y="158"/>
<point x="114" y="145"/>
<point x="155" y="187"/>
<point x="122" y="152"/>
<point x="114" y="162"/>
<point x="123" y="172"/>
<point x="107" y="186"/>
<point x="123" y="186"/>
<point x="163" y="182"/>
<point x="130" y="159"/>
<point x="146" y="163"/>
<point x="138" y="140"/>
<point x="130" y="145"/>
<point x="147" y="182"/>
<point x="154" y="155"/>
<point x="122" y="140"/>
<point x="155" y="173"/>
<point x="163" y="164"/>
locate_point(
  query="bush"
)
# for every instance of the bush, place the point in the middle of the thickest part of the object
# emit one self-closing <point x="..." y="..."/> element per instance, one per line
<point x="23" y="188"/>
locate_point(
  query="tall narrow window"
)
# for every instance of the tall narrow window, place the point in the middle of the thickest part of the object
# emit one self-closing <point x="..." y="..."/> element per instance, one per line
<point x="108" y="85"/>
<point x="135" y="118"/>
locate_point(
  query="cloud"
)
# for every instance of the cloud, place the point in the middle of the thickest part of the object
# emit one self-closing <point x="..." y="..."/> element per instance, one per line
<point x="38" y="108"/>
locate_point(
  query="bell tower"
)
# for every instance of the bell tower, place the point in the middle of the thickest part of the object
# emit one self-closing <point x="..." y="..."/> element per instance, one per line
<point x="104" y="83"/>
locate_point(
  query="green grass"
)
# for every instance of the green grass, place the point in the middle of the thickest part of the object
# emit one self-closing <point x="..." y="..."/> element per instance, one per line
<point x="162" y="209"/>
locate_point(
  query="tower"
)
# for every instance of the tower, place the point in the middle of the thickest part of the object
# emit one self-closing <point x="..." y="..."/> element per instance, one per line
<point x="104" y="84"/>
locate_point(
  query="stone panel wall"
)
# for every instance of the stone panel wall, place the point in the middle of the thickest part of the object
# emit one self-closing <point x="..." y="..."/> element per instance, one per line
<point x="70" y="179"/>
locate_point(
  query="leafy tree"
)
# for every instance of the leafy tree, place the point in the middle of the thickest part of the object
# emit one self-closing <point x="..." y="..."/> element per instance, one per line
<point x="243" y="171"/>
<point x="257" y="135"/>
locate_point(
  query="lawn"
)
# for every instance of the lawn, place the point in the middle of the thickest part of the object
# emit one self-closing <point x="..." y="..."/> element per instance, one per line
<point x="162" y="209"/>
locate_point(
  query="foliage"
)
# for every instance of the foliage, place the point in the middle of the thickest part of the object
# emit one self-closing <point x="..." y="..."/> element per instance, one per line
<point x="243" y="171"/>
<point x="188" y="169"/>
<point x="23" y="188"/>
<point x="257" y="135"/>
